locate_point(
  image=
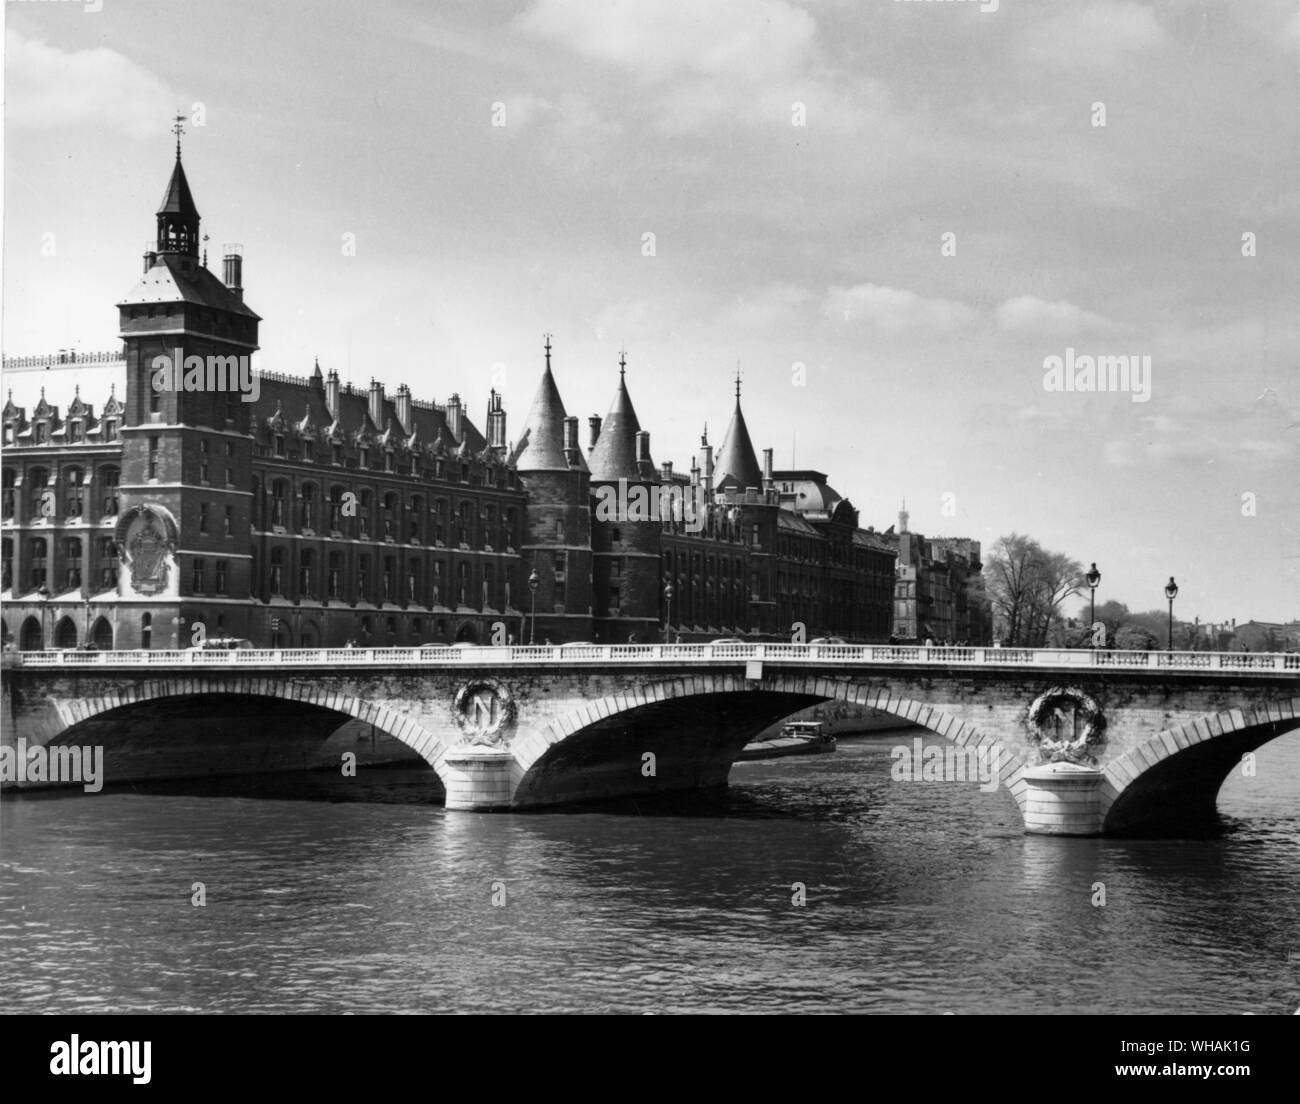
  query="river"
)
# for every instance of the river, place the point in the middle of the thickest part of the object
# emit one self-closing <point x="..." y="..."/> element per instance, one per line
<point x="920" y="898"/>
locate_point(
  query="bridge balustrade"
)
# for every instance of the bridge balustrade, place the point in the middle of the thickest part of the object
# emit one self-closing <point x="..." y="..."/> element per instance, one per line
<point x="849" y="655"/>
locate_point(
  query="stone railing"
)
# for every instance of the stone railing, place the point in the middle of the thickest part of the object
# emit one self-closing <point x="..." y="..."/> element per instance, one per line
<point x="66" y="358"/>
<point x="822" y="656"/>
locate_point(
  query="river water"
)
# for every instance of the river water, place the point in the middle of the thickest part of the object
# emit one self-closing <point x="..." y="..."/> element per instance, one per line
<point x="920" y="897"/>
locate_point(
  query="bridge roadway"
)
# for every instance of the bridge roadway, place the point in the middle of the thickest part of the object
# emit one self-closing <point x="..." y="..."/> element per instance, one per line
<point x="1084" y="741"/>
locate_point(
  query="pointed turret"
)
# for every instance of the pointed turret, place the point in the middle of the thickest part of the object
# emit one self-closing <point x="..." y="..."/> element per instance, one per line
<point x="737" y="467"/>
<point x="615" y="456"/>
<point x="178" y="217"/>
<point x="541" y="445"/>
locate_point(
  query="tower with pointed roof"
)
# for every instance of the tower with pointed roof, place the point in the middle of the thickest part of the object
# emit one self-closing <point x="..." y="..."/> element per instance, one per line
<point x="626" y="528"/>
<point x="556" y="543"/>
<point x="188" y="339"/>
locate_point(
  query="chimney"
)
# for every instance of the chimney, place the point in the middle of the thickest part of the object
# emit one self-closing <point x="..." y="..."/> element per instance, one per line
<point x="767" y="469"/>
<point x="332" y="393"/>
<point x="572" y="455"/>
<point x="706" y="462"/>
<point x="377" y="402"/>
<point x="454" y="412"/>
<point x="232" y="265"/>
<point x="496" y="422"/>
<point x="593" y="425"/>
<point x="643" y="447"/>
<point x="402" y="407"/>
<point x="150" y="259"/>
<point x="667" y="471"/>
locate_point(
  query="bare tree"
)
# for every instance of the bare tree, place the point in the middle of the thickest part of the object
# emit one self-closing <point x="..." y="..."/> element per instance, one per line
<point x="1026" y="585"/>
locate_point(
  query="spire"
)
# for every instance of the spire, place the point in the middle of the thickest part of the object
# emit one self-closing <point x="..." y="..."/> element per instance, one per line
<point x="737" y="464"/>
<point x="178" y="217"/>
<point x="541" y="445"/>
<point x="615" y="454"/>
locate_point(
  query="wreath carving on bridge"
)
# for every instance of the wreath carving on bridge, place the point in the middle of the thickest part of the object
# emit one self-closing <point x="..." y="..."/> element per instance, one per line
<point x="485" y="711"/>
<point x="1068" y="726"/>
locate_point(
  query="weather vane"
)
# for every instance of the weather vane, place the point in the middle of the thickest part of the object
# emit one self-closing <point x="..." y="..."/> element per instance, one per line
<point x="178" y="128"/>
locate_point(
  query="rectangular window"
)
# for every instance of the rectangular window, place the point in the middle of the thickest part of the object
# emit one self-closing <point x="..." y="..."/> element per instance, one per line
<point x="153" y="457"/>
<point x="230" y="520"/>
<point x="200" y="567"/>
<point x="221" y="576"/>
<point x="203" y="517"/>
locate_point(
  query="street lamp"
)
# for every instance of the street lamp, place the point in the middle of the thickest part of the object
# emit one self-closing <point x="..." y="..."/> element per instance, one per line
<point x="1171" y="592"/>
<point x="1093" y="579"/>
<point x="43" y="593"/>
<point x="668" y="612"/>
<point x="533" y="580"/>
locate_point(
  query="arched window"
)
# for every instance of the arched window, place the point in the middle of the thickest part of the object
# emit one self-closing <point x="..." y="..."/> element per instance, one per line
<point x="109" y="479"/>
<point x="30" y="637"/>
<point x="308" y="519"/>
<point x="391" y="511"/>
<point x="414" y="518"/>
<point x="307" y="574"/>
<point x="277" y="571"/>
<point x="41" y="501"/>
<point x="279" y="492"/>
<point x="39" y="550"/>
<point x="101" y="634"/>
<point x="71" y="563"/>
<point x="336" y="508"/>
<point x="65" y="633"/>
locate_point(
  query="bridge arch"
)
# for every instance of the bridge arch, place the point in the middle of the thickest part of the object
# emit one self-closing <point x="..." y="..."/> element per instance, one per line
<point x="766" y="700"/>
<point x="71" y="713"/>
<point x="1173" y="778"/>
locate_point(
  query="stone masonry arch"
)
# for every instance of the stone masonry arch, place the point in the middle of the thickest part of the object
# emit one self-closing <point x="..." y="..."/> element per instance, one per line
<point x="67" y="714"/>
<point x="530" y="748"/>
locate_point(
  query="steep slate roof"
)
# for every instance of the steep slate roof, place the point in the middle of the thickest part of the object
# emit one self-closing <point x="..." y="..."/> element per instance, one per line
<point x="737" y="467"/>
<point x="175" y="277"/>
<point x="299" y="399"/>
<point x="614" y="456"/>
<point x="541" y="445"/>
<point x="178" y="200"/>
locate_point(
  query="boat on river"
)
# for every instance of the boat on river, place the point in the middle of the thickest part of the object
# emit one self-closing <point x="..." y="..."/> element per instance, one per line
<point x="796" y="738"/>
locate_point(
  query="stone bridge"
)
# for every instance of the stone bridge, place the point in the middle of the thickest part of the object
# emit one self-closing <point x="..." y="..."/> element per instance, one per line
<point x="1087" y="742"/>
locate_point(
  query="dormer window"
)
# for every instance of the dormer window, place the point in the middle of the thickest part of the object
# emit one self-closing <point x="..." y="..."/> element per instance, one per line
<point x="337" y="454"/>
<point x="9" y="433"/>
<point x="74" y="432"/>
<point x="388" y="460"/>
<point x="39" y="436"/>
<point x="365" y="458"/>
<point x="110" y="430"/>
<point x="279" y="444"/>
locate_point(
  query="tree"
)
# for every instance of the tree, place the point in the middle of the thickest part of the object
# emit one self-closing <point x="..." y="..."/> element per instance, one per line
<point x="1026" y="585"/>
<point x="1134" y="638"/>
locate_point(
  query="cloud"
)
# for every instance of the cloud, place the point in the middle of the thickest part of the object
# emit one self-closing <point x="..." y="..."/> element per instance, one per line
<point x="47" y="87"/>
<point x="750" y="40"/>
<point x="1029" y="313"/>
<point x="895" y="309"/>
<point x="1100" y="34"/>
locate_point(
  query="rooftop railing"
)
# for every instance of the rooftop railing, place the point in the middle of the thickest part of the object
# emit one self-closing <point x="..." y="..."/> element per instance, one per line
<point x="822" y="656"/>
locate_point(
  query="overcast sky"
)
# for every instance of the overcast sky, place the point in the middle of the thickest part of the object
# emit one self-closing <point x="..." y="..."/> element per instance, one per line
<point x="775" y="244"/>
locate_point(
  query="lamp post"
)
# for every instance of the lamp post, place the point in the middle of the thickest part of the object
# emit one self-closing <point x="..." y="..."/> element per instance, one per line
<point x="1093" y="579"/>
<point x="533" y="580"/>
<point x="43" y="593"/>
<point x="668" y="612"/>
<point x="87" y="642"/>
<point x="1171" y="592"/>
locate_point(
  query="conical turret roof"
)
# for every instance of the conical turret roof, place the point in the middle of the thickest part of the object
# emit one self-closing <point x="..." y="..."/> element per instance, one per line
<point x="541" y="445"/>
<point x="614" y="456"/>
<point x="177" y="200"/>
<point x="736" y="467"/>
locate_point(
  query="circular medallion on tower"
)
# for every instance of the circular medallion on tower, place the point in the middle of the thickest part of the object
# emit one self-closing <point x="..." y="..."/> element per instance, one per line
<point x="1067" y="725"/>
<point x="485" y="712"/>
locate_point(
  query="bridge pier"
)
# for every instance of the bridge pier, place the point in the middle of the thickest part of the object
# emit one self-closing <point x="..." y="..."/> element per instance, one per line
<point x="1063" y="799"/>
<point x="479" y="778"/>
